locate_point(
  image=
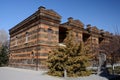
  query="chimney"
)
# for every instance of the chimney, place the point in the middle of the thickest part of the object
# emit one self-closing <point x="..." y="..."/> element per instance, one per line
<point x="70" y="19"/>
<point x="88" y="25"/>
<point x="41" y="8"/>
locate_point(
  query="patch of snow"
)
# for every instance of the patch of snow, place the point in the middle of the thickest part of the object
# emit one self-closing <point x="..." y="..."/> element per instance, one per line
<point x="91" y="77"/>
<point x="8" y="73"/>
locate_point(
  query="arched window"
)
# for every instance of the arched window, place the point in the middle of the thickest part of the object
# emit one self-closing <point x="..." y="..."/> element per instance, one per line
<point x="32" y="54"/>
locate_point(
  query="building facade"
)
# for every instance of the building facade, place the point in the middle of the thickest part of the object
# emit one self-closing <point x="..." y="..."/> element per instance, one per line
<point x="32" y="39"/>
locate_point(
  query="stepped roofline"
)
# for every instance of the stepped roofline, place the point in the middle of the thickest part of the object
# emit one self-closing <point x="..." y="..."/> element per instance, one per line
<point x="41" y="13"/>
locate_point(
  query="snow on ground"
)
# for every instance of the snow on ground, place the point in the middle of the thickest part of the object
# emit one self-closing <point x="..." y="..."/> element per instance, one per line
<point x="8" y="73"/>
<point x="91" y="77"/>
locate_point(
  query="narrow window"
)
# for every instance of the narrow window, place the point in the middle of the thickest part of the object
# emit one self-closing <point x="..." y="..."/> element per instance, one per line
<point x="50" y="34"/>
<point x="26" y="38"/>
<point x="32" y="54"/>
<point x="32" y="57"/>
<point x="16" y="41"/>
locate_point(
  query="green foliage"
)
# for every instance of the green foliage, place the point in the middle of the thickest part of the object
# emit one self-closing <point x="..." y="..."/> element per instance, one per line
<point x="3" y="55"/>
<point x="71" y="57"/>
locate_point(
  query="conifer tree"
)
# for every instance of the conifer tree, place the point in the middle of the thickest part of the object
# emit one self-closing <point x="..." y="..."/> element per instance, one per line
<point x="3" y="55"/>
<point x="72" y="58"/>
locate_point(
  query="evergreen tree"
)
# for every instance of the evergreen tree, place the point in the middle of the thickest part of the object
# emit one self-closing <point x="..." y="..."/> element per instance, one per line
<point x="3" y="55"/>
<point x="73" y="58"/>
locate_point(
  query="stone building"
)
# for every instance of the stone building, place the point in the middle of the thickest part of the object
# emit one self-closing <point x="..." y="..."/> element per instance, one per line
<point x="32" y="39"/>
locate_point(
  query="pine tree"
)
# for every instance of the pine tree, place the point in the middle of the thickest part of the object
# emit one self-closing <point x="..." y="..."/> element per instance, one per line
<point x="3" y="55"/>
<point x="72" y="58"/>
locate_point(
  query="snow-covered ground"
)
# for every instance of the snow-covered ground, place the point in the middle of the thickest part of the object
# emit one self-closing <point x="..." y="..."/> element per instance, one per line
<point x="8" y="73"/>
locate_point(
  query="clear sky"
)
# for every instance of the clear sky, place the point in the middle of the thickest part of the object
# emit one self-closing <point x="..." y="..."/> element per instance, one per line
<point x="105" y="14"/>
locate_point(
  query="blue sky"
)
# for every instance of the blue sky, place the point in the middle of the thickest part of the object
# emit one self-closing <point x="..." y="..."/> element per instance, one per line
<point x="105" y="14"/>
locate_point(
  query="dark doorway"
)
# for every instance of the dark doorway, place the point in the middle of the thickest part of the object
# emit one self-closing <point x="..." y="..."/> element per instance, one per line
<point x="85" y="37"/>
<point x="62" y="34"/>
